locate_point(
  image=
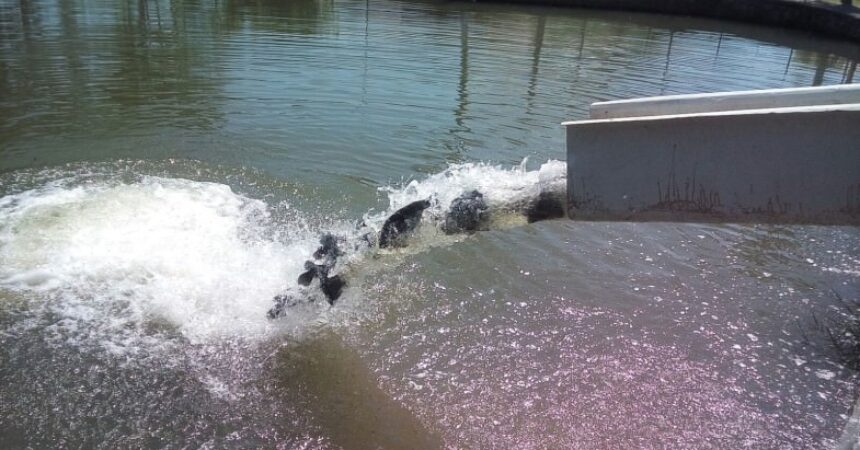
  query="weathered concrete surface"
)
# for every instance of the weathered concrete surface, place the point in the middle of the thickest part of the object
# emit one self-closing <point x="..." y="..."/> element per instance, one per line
<point x="818" y="17"/>
<point x="727" y="101"/>
<point x="786" y="165"/>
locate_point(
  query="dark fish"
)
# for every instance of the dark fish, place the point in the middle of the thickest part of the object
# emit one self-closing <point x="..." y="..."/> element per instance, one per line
<point x="332" y="287"/>
<point x="311" y="271"/>
<point x="467" y="213"/>
<point x="403" y="222"/>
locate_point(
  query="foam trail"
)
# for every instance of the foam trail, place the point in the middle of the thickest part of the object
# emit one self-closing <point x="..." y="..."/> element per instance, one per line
<point x="132" y="263"/>
<point x="505" y="189"/>
<point x="508" y="194"/>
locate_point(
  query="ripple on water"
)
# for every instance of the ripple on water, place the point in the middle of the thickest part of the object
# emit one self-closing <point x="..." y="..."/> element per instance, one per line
<point x="133" y="293"/>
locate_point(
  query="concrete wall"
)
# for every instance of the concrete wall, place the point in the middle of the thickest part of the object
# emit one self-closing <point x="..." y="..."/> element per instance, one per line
<point x="727" y="101"/>
<point x="787" y="165"/>
<point x="818" y="17"/>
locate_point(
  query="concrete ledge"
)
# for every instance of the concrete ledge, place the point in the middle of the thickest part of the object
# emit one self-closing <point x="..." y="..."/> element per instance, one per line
<point x="785" y="165"/>
<point x="727" y="101"/>
<point x="818" y="17"/>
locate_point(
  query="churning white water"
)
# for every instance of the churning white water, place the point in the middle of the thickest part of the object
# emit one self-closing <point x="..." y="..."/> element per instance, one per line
<point x="502" y="187"/>
<point x="131" y="264"/>
<point x="113" y="258"/>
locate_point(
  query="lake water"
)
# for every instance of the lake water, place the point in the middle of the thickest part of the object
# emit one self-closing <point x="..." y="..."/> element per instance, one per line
<point x="167" y="167"/>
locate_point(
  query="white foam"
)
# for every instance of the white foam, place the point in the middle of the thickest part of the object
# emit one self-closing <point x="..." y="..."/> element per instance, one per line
<point x="130" y="265"/>
<point x="506" y="191"/>
<point x="503" y="188"/>
<point x="120" y="257"/>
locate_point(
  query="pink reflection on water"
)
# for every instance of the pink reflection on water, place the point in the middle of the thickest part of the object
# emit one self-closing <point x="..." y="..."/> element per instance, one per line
<point x="594" y="380"/>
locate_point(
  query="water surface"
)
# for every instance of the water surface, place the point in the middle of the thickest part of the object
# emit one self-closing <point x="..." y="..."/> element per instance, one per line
<point x="166" y="168"/>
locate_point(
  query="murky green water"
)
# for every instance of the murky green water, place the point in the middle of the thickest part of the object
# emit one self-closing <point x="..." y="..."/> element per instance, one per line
<point x="166" y="167"/>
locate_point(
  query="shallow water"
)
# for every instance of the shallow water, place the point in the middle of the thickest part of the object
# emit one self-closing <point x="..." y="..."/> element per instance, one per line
<point x="168" y="166"/>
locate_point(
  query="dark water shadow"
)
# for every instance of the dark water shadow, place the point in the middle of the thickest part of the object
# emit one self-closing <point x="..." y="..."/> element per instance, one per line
<point x="330" y="380"/>
<point x="785" y="37"/>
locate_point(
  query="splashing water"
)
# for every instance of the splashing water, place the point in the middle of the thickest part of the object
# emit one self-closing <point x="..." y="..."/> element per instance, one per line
<point x="507" y="192"/>
<point x="504" y="189"/>
<point x="194" y="256"/>
<point x="128" y="263"/>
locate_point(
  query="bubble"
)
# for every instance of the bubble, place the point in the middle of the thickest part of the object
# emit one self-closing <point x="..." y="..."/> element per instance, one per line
<point x="124" y="259"/>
